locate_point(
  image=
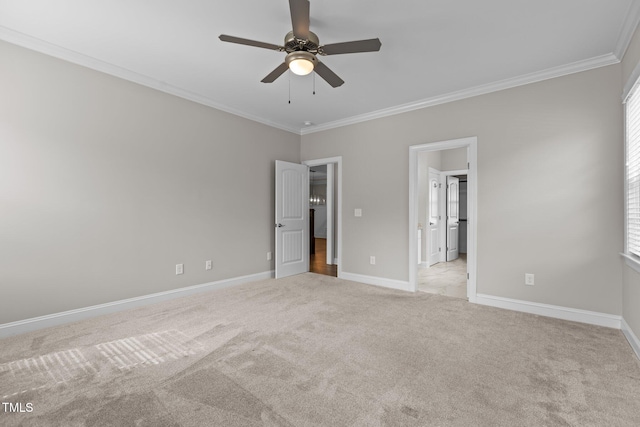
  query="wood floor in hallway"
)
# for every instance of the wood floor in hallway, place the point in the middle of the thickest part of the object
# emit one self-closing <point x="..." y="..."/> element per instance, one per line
<point x="318" y="261"/>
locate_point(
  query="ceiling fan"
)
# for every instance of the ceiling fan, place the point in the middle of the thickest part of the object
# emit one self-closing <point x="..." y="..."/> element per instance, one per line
<point x="302" y="47"/>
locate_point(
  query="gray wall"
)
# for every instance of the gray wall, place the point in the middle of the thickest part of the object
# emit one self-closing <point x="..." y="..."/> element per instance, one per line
<point x="631" y="283"/>
<point x="455" y="159"/>
<point x="550" y="160"/>
<point x="105" y="185"/>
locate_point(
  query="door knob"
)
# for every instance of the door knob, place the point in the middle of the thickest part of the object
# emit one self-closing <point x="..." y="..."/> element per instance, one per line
<point x="279" y="225"/>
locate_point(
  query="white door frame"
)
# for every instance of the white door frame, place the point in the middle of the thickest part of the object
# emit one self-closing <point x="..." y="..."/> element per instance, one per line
<point x="472" y="208"/>
<point x="330" y="210"/>
<point x="337" y="161"/>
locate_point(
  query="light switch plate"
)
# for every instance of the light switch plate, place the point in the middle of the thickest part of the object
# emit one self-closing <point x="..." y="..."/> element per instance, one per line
<point x="357" y="212"/>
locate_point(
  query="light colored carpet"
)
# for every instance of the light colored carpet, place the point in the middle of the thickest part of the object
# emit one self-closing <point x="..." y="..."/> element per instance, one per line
<point x="314" y="350"/>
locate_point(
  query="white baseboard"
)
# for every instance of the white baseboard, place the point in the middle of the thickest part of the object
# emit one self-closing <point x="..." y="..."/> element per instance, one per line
<point x="35" y="323"/>
<point x="555" y="311"/>
<point x="631" y="337"/>
<point x="377" y="281"/>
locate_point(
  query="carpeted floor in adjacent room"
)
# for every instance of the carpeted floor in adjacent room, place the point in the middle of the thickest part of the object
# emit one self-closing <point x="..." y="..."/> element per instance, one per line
<point x="313" y="350"/>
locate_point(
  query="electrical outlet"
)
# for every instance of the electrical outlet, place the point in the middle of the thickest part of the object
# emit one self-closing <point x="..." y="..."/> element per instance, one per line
<point x="179" y="268"/>
<point x="372" y="260"/>
<point x="529" y="279"/>
<point x="208" y="265"/>
<point x="269" y="256"/>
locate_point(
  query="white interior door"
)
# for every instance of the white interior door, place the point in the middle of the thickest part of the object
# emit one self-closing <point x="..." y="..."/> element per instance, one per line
<point x="292" y="219"/>
<point x="433" y="237"/>
<point x="453" y="217"/>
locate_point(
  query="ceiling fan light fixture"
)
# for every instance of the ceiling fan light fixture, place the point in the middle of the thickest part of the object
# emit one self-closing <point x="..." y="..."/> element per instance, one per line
<point x="301" y="62"/>
<point x="301" y="67"/>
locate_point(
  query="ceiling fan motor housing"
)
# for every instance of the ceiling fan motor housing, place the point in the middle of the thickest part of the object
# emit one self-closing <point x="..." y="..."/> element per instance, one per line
<point x="294" y="44"/>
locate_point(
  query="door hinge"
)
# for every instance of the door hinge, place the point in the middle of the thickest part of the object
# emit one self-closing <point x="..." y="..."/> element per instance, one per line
<point x="439" y="249"/>
<point x="467" y="276"/>
<point x="439" y="185"/>
<point x="468" y="165"/>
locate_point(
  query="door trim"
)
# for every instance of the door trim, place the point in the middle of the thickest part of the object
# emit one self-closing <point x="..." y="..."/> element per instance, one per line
<point x="337" y="161"/>
<point x="330" y="212"/>
<point x="472" y="210"/>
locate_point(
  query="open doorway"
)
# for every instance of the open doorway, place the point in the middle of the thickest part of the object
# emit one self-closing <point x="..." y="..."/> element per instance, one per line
<point x="321" y="216"/>
<point x="324" y="216"/>
<point x="442" y="227"/>
<point x="442" y="207"/>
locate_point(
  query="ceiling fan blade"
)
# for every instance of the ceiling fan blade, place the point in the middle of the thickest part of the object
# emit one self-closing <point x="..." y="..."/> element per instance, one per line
<point x="275" y="73"/>
<point x="300" y="18"/>
<point x="328" y="75"/>
<point x="370" y="45"/>
<point x="238" y="40"/>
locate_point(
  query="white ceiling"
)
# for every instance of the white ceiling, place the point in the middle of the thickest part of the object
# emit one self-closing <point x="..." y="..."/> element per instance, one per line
<point x="432" y="50"/>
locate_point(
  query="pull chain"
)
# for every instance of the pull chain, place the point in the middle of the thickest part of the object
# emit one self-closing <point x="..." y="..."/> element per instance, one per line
<point x="289" y="86"/>
<point x="314" y="83"/>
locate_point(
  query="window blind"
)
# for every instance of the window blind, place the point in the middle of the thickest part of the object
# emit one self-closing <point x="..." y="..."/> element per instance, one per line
<point x="633" y="172"/>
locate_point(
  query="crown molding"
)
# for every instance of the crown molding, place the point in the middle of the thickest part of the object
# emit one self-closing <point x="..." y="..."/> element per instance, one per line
<point x="550" y="73"/>
<point x="77" y="58"/>
<point x="632" y="18"/>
